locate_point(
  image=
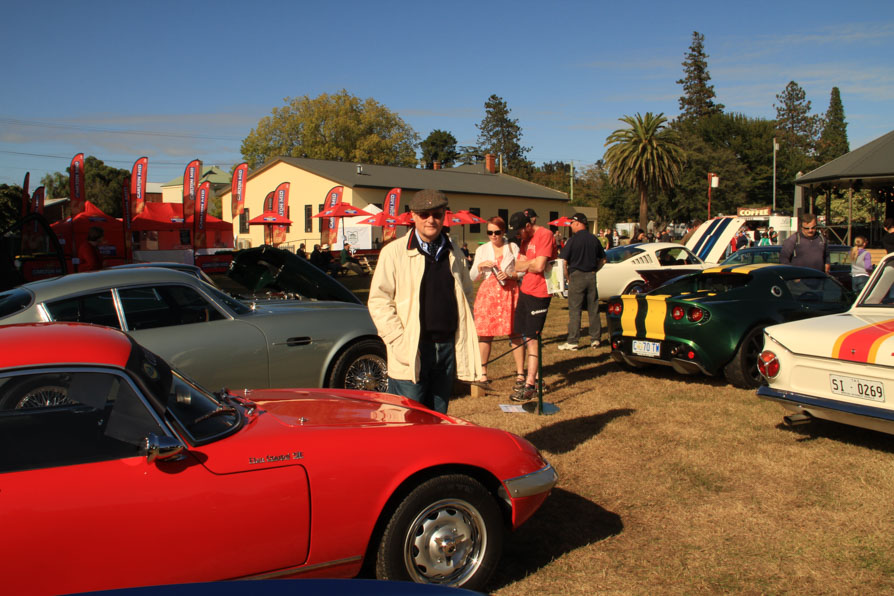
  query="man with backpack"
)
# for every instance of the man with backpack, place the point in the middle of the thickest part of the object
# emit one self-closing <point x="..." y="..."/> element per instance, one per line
<point x="806" y="248"/>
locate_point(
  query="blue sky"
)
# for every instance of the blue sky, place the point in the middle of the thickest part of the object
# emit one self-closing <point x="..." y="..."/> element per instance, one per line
<point x="178" y="80"/>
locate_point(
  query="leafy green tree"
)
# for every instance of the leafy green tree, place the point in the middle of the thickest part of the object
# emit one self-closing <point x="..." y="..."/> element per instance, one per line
<point x="865" y="208"/>
<point x="697" y="100"/>
<point x="338" y="127"/>
<point x="469" y="154"/>
<point x="554" y="174"/>
<point x="501" y="135"/>
<point x="102" y="185"/>
<point x="833" y="139"/>
<point x="438" y="146"/>
<point x="644" y="157"/>
<point x="55" y="185"/>
<point x="10" y="204"/>
<point x="796" y="129"/>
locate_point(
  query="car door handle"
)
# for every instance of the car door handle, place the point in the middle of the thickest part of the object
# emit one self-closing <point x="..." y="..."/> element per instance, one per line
<point x="298" y="341"/>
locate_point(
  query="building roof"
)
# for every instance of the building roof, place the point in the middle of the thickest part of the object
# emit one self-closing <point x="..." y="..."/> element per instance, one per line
<point x="873" y="164"/>
<point x="464" y="180"/>
<point x="213" y="174"/>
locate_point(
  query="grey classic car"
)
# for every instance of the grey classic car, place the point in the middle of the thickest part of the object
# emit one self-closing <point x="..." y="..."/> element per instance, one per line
<point x="213" y="337"/>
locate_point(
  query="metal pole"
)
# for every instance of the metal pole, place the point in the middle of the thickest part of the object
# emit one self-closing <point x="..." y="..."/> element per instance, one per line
<point x="775" y="148"/>
<point x="710" y="180"/>
<point x="572" y="182"/>
<point x="539" y="374"/>
<point x="850" y="214"/>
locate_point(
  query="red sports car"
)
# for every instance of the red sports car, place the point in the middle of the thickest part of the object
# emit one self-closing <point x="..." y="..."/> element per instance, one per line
<point x="118" y="471"/>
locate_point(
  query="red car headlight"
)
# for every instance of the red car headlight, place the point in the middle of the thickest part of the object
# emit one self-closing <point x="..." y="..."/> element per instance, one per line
<point x="615" y="308"/>
<point x="768" y="364"/>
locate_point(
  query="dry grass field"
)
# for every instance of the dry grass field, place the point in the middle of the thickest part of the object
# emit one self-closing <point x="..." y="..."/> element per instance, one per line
<point x="672" y="484"/>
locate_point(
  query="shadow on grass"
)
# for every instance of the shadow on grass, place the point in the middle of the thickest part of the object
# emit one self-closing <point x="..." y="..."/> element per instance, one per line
<point x="564" y="523"/>
<point x="825" y="429"/>
<point x="566" y="435"/>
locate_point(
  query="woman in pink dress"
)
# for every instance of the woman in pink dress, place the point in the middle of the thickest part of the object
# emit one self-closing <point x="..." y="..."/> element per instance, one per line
<point x="497" y="294"/>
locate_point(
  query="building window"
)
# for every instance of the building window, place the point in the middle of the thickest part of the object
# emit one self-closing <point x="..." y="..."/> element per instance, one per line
<point x="243" y="221"/>
<point x="320" y="220"/>
<point x="308" y="222"/>
<point x="475" y="228"/>
<point x="504" y="215"/>
<point x="553" y="216"/>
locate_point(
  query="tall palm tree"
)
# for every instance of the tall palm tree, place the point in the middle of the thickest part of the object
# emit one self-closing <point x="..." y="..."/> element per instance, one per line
<point x="644" y="157"/>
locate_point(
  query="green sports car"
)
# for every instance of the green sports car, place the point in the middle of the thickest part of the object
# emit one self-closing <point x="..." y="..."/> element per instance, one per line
<point x="712" y="321"/>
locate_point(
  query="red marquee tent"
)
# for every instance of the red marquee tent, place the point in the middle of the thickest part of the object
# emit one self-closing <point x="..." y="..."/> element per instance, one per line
<point x="112" y="227"/>
<point x="174" y="232"/>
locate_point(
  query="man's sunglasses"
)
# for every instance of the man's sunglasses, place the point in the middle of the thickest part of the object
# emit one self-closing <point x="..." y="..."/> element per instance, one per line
<point x="427" y="214"/>
<point x="495" y="232"/>
<point x="808" y="227"/>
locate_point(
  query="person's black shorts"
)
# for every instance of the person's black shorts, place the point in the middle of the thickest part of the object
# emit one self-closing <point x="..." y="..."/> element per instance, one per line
<point x="530" y="315"/>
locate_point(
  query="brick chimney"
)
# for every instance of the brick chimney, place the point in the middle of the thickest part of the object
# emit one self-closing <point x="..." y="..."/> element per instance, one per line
<point x="436" y="165"/>
<point x="490" y="163"/>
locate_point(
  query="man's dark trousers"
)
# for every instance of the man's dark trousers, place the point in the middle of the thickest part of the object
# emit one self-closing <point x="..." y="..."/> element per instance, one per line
<point x="581" y="290"/>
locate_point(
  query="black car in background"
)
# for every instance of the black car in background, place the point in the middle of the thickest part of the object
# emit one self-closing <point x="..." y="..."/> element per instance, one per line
<point x="839" y="255"/>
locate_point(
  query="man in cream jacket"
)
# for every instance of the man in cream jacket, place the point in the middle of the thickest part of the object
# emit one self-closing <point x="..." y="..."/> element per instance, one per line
<point x="419" y="301"/>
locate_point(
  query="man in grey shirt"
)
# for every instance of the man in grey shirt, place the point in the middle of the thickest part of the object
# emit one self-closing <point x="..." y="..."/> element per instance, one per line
<point x="806" y="248"/>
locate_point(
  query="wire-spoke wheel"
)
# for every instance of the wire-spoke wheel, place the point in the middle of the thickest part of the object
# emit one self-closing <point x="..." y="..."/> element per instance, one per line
<point x="361" y="366"/>
<point x="36" y="392"/>
<point x="447" y="531"/>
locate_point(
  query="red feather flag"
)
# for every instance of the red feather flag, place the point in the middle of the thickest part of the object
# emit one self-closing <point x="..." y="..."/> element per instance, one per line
<point x="281" y="208"/>
<point x="237" y="191"/>
<point x="191" y="180"/>
<point x="332" y="199"/>
<point x="202" y="200"/>
<point x="392" y="202"/>
<point x="26" y="198"/>
<point x="77" y="197"/>
<point x="138" y="187"/>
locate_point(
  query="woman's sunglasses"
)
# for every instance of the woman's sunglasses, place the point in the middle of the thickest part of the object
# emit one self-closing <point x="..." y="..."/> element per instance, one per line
<point x="495" y="232"/>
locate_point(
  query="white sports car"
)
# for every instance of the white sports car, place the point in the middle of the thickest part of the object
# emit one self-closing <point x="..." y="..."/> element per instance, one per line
<point x="662" y="261"/>
<point x="837" y="367"/>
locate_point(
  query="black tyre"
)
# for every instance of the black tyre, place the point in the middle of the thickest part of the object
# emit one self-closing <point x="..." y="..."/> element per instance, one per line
<point x="742" y="371"/>
<point x="636" y="287"/>
<point x="447" y="531"/>
<point x="36" y="392"/>
<point x="362" y="366"/>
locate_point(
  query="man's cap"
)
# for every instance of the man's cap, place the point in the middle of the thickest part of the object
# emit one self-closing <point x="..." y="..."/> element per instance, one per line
<point x="325" y="247"/>
<point x="427" y="199"/>
<point x="530" y="212"/>
<point x="518" y="221"/>
<point x="580" y="218"/>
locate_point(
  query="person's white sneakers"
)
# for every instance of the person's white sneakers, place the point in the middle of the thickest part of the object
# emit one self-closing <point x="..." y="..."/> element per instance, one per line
<point x="595" y="343"/>
<point x="567" y="346"/>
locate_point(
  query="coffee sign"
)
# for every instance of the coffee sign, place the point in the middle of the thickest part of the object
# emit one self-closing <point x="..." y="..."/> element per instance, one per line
<point x="754" y="211"/>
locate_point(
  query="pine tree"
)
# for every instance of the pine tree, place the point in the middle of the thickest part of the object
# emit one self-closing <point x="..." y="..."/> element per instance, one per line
<point x="796" y="126"/>
<point x="438" y="146"/>
<point x="500" y="135"/>
<point x="697" y="100"/>
<point x="833" y="140"/>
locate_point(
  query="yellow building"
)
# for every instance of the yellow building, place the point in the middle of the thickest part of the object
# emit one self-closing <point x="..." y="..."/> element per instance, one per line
<point x="475" y="188"/>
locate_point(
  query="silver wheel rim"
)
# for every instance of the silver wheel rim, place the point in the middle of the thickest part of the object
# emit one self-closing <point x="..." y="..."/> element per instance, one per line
<point x="445" y="543"/>
<point x="44" y="397"/>
<point x="369" y="373"/>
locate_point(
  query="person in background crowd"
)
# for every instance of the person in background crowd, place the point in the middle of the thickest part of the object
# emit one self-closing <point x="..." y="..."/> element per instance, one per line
<point x="665" y="236"/>
<point x="604" y="239"/>
<point x="806" y="248"/>
<point x="497" y="295"/>
<point x="761" y="239"/>
<point x="419" y="301"/>
<point x="772" y="235"/>
<point x="316" y="257"/>
<point x="616" y="238"/>
<point x="888" y="236"/>
<point x="329" y="266"/>
<point x="638" y="236"/>
<point x="348" y="261"/>
<point x="582" y="257"/>
<point x="560" y="241"/>
<point x="301" y="252"/>
<point x="89" y="257"/>
<point x="467" y="258"/>
<point x="861" y="264"/>
<point x="537" y="249"/>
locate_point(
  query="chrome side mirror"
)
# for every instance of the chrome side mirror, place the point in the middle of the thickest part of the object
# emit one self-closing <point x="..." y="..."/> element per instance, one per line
<point x="161" y="448"/>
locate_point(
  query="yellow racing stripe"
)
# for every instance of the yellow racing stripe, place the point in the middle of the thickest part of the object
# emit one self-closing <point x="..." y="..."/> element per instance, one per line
<point x="655" y="316"/>
<point x="628" y="315"/>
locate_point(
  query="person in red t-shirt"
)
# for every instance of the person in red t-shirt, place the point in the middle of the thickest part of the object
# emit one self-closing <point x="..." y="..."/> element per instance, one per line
<point x="89" y="256"/>
<point x="538" y="247"/>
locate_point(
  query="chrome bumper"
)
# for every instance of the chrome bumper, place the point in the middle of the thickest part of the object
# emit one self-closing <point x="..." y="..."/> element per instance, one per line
<point x="531" y="484"/>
